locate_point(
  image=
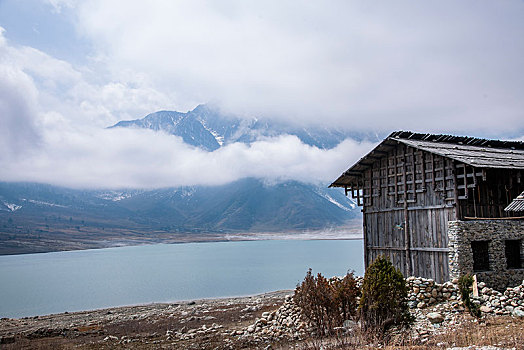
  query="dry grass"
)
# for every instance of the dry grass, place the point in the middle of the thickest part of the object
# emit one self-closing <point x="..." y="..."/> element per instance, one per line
<point x="502" y="332"/>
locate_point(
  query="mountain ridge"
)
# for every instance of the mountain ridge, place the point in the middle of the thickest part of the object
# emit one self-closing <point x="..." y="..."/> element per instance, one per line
<point x="41" y="218"/>
<point x="209" y="129"/>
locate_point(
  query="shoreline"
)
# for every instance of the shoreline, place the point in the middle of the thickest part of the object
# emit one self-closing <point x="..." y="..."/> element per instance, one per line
<point x="198" y="238"/>
<point x="112" y="310"/>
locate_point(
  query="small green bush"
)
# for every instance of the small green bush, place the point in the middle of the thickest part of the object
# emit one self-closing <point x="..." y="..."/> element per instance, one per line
<point x="464" y="284"/>
<point x="326" y="304"/>
<point x="384" y="298"/>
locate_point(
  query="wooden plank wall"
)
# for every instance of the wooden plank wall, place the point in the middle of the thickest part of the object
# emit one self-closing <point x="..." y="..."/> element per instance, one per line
<point x="417" y="186"/>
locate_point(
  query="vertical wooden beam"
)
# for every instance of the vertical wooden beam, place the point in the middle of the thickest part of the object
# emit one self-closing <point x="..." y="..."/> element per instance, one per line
<point x="370" y="188"/>
<point x="475" y="189"/>
<point x="365" y="238"/>
<point x="423" y="167"/>
<point x="404" y="175"/>
<point x="455" y="192"/>
<point x="379" y="193"/>
<point x="433" y="171"/>
<point x="406" y="217"/>
<point x="358" y="195"/>
<point x="386" y="199"/>
<point x="413" y="174"/>
<point x="465" y="182"/>
<point x="396" y="172"/>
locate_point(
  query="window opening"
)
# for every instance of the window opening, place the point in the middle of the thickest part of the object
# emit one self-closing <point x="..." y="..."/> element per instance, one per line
<point x="480" y="255"/>
<point x="513" y="254"/>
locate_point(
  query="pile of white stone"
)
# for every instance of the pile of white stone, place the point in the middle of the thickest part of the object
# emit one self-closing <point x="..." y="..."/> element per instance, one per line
<point x="287" y="322"/>
<point x="423" y="292"/>
<point x="509" y="302"/>
<point x="284" y="323"/>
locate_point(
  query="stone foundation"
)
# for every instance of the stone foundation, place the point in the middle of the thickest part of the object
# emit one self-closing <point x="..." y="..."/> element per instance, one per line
<point x="496" y="232"/>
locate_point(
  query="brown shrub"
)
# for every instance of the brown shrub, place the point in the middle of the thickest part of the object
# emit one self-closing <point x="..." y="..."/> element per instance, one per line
<point x="326" y="304"/>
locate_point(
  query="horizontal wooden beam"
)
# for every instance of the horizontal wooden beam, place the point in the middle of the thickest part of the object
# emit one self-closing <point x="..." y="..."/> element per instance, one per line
<point x="430" y="249"/>
<point x="386" y="248"/>
<point x="410" y="208"/>
<point x="508" y="218"/>
<point x="418" y="249"/>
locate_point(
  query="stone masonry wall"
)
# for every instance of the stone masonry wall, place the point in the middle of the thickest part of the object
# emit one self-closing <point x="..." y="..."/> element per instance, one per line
<point x="496" y="232"/>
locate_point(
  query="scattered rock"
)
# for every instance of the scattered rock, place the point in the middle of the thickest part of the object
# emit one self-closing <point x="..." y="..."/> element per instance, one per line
<point x="435" y="317"/>
<point x="475" y="347"/>
<point x="349" y="324"/>
<point x="485" y="309"/>
<point x="518" y="313"/>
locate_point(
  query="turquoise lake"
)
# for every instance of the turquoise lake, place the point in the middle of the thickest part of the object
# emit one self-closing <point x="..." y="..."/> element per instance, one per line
<point x="40" y="284"/>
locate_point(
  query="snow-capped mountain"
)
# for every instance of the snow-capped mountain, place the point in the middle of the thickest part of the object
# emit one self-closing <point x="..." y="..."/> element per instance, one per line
<point x="209" y="129"/>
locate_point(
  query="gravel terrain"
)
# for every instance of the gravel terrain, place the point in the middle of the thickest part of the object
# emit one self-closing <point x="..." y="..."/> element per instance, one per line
<point x="203" y="324"/>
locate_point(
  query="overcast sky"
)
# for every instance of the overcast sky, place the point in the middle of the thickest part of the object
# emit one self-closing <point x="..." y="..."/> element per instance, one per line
<point x="70" y="68"/>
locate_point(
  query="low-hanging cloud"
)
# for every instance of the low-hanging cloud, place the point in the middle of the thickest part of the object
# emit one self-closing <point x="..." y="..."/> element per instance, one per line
<point x="135" y="158"/>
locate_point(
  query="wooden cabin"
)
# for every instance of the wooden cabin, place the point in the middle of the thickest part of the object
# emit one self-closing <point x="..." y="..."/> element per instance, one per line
<point x="427" y="201"/>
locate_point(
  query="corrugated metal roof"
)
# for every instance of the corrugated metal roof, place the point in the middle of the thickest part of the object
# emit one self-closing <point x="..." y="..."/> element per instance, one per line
<point x="480" y="153"/>
<point x="517" y="204"/>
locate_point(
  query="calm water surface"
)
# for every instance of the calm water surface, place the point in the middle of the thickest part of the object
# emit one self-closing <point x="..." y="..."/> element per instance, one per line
<point x="39" y="284"/>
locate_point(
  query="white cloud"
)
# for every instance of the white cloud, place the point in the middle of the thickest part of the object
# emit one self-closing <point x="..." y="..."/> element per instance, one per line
<point x="59" y="5"/>
<point x="18" y="97"/>
<point x="431" y="67"/>
<point x="55" y="108"/>
<point x="118" y="158"/>
<point x="84" y="95"/>
<point x="441" y="66"/>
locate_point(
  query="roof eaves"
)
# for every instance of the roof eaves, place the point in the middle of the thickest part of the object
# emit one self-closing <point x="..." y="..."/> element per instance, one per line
<point x="365" y="162"/>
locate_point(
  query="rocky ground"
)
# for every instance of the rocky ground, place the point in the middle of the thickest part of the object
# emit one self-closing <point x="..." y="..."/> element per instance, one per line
<point x="200" y="324"/>
<point x="272" y="321"/>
